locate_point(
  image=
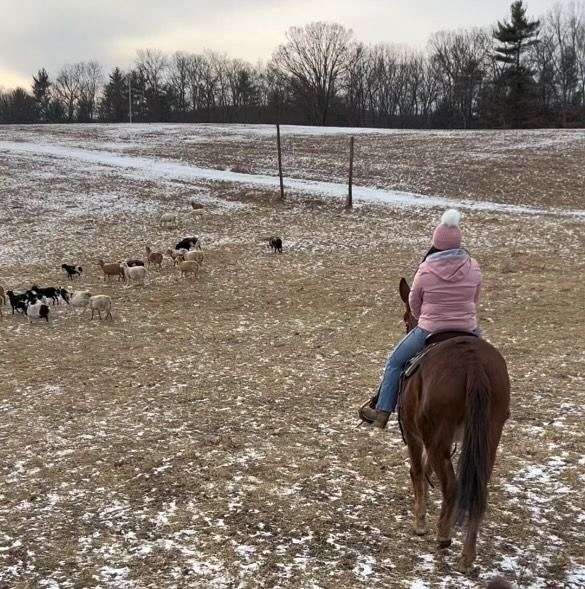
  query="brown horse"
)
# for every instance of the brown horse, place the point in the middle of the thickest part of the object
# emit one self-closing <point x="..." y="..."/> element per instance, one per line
<point x="461" y="392"/>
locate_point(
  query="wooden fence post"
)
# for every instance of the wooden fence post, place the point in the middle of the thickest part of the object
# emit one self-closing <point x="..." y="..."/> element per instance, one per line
<point x="279" y="161"/>
<point x="349" y="200"/>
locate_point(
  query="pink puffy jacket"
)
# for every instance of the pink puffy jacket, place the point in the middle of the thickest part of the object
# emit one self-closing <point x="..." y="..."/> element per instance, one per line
<point x="445" y="292"/>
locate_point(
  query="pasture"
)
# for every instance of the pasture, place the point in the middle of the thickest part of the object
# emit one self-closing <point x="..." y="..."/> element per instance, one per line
<point x="206" y="436"/>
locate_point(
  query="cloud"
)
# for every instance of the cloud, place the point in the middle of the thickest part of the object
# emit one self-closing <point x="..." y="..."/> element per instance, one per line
<point x="50" y="33"/>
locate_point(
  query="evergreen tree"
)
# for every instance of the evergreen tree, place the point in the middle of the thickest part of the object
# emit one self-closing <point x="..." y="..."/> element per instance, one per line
<point x="17" y="106"/>
<point x="516" y="38"/>
<point x="56" y="112"/>
<point x="139" y="105"/>
<point x="42" y="93"/>
<point x="113" y="107"/>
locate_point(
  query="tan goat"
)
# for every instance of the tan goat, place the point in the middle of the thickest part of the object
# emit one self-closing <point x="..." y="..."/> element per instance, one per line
<point x="194" y="256"/>
<point x="176" y="255"/>
<point x="189" y="267"/>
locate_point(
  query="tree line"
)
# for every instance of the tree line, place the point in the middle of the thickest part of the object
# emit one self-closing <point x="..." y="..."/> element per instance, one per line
<point x="522" y="73"/>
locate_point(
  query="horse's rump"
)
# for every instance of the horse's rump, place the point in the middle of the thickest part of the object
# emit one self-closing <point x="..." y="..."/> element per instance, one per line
<point x="440" y="383"/>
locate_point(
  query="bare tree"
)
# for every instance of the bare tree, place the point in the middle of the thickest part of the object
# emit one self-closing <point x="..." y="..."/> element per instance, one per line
<point x="91" y="79"/>
<point x="461" y="56"/>
<point x="179" y="74"/>
<point x="152" y="64"/>
<point x="152" y="67"/>
<point x="68" y="88"/>
<point x="315" y="57"/>
<point x="198" y="77"/>
<point x="563" y="29"/>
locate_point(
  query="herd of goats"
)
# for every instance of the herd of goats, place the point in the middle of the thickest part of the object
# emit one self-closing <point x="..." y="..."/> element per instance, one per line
<point x="34" y="303"/>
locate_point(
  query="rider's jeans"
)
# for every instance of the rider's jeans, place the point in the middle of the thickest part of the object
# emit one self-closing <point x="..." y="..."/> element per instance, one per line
<point x="408" y="348"/>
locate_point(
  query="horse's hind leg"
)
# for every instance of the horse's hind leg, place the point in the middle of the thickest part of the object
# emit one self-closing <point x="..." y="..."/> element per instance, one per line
<point x="419" y="484"/>
<point x="440" y="460"/>
<point x="470" y="544"/>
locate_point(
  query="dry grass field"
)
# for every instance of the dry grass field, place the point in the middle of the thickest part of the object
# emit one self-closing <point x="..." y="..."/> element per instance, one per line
<point x="206" y="436"/>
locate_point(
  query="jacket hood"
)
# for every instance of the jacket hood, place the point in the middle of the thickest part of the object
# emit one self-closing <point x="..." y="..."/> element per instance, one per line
<point x="450" y="265"/>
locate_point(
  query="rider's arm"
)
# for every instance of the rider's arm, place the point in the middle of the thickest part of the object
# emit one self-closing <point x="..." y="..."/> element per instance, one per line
<point x="478" y="287"/>
<point x="415" y="299"/>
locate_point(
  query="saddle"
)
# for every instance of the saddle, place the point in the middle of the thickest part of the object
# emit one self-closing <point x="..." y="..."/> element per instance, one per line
<point x="432" y="340"/>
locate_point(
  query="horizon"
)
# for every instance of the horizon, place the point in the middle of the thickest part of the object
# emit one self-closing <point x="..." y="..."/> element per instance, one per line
<point x="74" y="33"/>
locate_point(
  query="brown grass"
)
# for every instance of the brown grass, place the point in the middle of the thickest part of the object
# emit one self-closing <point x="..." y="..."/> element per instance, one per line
<point x="206" y="436"/>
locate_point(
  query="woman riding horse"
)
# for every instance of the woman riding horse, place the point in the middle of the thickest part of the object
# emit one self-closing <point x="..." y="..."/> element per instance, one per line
<point x="444" y="297"/>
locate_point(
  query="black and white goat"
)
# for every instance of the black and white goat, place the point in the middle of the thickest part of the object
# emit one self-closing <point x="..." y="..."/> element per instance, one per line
<point x="72" y="271"/>
<point x="18" y="302"/>
<point x="54" y="294"/>
<point x="189" y="242"/>
<point x="37" y="310"/>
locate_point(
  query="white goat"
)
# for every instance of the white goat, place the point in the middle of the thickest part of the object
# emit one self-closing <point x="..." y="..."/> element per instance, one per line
<point x="101" y="303"/>
<point x="80" y="298"/>
<point x="135" y="274"/>
<point x="169" y="220"/>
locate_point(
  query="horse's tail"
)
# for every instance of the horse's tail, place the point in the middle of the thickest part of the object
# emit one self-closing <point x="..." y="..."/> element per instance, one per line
<point x="474" y="463"/>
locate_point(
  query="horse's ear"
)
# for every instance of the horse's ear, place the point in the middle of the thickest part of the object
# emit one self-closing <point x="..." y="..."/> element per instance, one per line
<point x="404" y="290"/>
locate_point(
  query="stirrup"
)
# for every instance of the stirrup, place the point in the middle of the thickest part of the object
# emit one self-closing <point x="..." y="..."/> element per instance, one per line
<point x="371" y="403"/>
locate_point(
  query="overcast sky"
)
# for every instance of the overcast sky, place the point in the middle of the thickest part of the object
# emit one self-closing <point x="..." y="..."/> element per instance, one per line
<point x="50" y="33"/>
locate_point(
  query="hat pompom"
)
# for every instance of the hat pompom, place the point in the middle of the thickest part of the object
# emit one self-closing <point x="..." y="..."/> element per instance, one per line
<point x="451" y="218"/>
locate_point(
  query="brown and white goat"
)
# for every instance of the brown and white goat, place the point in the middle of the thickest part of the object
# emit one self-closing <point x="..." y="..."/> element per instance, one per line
<point x="154" y="258"/>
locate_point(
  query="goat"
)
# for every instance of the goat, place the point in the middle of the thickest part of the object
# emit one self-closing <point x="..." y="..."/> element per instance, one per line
<point x="169" y="219"/>
<point x="72" y="271"/>
<point x="188" y="268"/>
<point x="188" y="242"/>
<point x="37" y="310"/>
<point x="132" y="263"/>
<point x="48" y="293"/>
<point x="100" y="303"/>
<point x="81" y="298"/>
<point x="18" y="302"/>
<point x="194" y="256"/>
<point x="275" y="244"/>
<point x="196" y="206"/>
<point x="155" y="258"/>
<point x="135" y="274"/>
<point x="176" y="255"/>
<point x="111" y="270"/>
<point x="64" y="294"/>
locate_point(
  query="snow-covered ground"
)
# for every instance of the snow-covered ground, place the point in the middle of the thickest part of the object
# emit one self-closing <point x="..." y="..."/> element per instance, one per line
<point x="160" y="169"/>
<point x="206" y="437"/>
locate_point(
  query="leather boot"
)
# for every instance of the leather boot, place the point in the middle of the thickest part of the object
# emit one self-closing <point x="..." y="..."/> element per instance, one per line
<point x="382" y="419"/>
<point x="368" y="414"/>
